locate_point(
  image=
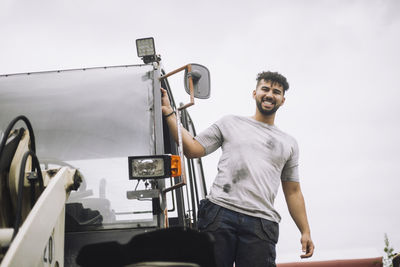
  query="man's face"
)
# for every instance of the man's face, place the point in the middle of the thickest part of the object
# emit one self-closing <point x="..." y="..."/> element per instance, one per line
<point x="269" y="97"/>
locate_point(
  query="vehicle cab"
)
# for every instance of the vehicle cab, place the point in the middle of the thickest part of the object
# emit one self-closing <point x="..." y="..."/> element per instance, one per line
<point x="106" y="123"/>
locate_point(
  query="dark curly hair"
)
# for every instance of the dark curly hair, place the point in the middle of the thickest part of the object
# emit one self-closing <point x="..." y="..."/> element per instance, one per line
<point x="274" y="77"/>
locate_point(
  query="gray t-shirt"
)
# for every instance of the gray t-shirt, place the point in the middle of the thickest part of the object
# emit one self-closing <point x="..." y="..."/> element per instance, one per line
<point x="255" y="158"/>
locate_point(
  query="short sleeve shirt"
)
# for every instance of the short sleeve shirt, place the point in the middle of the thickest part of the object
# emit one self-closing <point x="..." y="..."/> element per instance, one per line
<point x="255" y="158"/>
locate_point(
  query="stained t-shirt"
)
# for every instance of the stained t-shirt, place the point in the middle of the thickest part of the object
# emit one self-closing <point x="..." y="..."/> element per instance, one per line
<point x="255" y="158"/>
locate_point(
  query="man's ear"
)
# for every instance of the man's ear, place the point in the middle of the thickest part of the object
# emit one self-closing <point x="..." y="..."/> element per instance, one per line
<point x="254" y="94"/>
<point x="283" y="101"/>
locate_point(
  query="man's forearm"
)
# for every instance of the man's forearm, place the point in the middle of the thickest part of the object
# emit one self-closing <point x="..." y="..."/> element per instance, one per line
<point x="297" y="209"/>
<point x="191" y="147"/>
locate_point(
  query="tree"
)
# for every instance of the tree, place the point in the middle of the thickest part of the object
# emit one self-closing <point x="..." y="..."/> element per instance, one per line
<point x="389" y="255"/>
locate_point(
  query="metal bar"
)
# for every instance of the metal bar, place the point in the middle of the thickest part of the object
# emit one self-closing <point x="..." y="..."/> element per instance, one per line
<point x="157" y="113"/>
<point x="67" y="70"/>
<point x="152" y="193"/>
<point x="192" y="175"/>
<point x="173" y="72"/>
<point x="191" y="87"/>
<point x="180" y="149"/>
<point x="175" y="186"/>
<point x="159" y="139"/>
<point x="186" y="106"/>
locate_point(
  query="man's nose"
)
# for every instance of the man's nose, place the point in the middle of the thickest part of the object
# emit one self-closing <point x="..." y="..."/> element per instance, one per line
<point x="269" y="94"/>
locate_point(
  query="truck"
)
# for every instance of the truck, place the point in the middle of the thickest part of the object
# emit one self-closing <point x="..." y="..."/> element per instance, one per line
<point x="90" y="175"/>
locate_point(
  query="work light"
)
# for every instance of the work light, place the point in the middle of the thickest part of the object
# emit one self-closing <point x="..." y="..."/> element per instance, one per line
<point x="154" y="167"/>
<point x="146" y="49"/>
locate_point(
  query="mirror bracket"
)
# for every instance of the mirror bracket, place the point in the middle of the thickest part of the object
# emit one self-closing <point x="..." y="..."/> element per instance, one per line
<point x="188" y="68"/>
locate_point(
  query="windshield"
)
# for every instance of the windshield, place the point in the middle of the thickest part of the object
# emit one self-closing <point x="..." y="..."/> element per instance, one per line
<point x="92" y="120"/>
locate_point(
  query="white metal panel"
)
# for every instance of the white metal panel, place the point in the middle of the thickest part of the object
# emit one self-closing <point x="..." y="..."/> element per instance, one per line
<point x="44" y="221"/>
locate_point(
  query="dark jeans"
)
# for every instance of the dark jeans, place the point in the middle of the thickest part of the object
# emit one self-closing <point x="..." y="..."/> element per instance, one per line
<point x="248" y="241"/>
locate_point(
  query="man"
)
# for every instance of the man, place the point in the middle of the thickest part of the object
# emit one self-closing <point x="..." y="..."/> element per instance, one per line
<point x="256" y="158"/>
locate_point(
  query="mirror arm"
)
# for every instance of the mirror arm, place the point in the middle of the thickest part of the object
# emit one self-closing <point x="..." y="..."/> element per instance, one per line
<point x="191" y="87"/>
<point x="173" y="72"/>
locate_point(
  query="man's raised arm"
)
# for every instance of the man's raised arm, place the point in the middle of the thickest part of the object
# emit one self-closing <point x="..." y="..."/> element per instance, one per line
<point x="191" y="147"/>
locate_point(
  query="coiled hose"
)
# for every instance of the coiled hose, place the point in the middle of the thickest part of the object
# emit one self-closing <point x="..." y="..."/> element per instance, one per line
<point x="35" y="169"/>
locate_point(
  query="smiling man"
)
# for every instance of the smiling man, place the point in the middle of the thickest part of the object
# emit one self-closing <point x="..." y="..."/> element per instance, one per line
<point x="256" y="158"/>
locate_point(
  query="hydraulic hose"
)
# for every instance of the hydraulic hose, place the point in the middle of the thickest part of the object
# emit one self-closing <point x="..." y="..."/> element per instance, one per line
<point x="35" y="166"/>
<point x="11" y="126"/>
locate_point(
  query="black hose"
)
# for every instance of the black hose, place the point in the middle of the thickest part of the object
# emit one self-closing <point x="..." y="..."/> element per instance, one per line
<point x="35" y="166"/>
<point x="11" y="126"/>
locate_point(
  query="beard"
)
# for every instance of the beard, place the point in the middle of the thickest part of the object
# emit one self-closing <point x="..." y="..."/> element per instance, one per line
<point x="265" y="111"/>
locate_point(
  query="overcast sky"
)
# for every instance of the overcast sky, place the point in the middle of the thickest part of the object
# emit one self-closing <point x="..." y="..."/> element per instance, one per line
<point x="341" y="59"/>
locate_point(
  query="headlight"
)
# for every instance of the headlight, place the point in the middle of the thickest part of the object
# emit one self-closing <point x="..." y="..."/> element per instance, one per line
<point x="154" y="167"/>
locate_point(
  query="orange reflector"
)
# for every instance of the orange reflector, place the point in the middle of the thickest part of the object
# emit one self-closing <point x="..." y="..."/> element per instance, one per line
<point x="175" y="166"/>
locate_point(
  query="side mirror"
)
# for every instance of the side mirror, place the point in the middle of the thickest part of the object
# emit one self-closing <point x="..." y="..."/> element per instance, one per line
<point x="201" y="81"/>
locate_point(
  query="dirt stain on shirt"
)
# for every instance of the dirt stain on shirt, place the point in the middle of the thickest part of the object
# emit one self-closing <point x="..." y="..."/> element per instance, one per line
<point x="240" y="174"/>
<point x="227" y="188"/>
